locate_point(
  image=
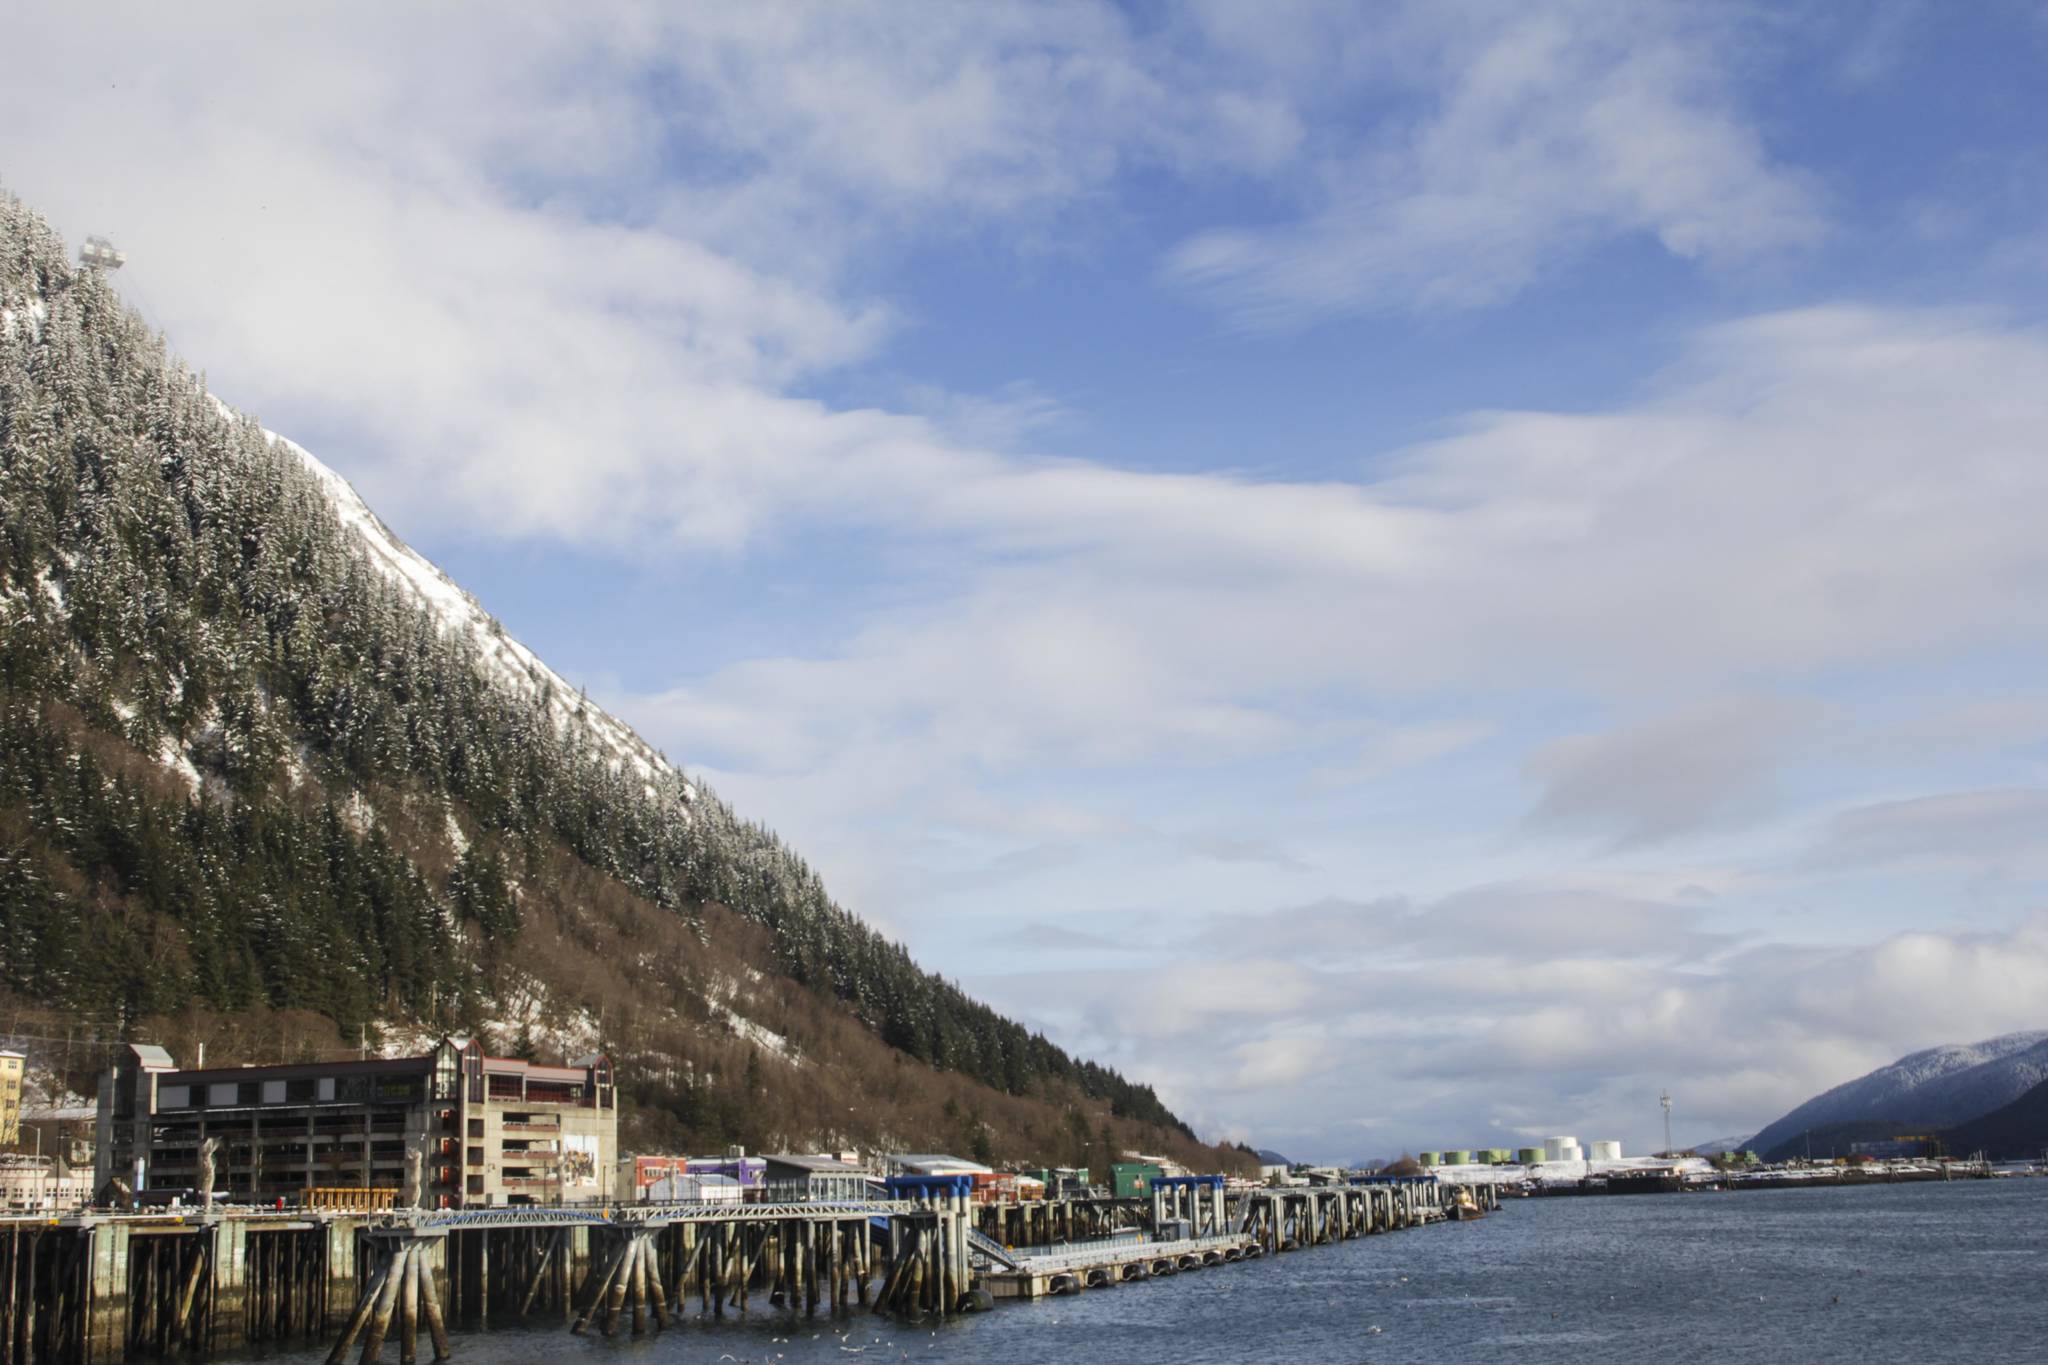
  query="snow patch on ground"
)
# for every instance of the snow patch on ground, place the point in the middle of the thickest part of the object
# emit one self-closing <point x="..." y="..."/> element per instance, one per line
<point x="723" y="994"/>
<point x="760" y="1037"/>
<point x="457" y="840"/>
<point x="523" y="1012"/>
<point x="174" y="757"/>
<point x="53" y="590"/>
<point x="357" y="813"/>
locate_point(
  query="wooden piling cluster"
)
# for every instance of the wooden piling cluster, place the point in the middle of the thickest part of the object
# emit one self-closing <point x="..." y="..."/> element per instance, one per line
<point x="44" y="1299"/>
<point x="1255" y="1222"/>
<point x="98" y="1287"/>
<point x="285" y="1284"/>
<point x="929" y="1269"/>
<point x="170" y="1291"/>
<point x="1287" y="1219"/>
<point x="644" y="1275"/>
<point x="402" y="1292"/>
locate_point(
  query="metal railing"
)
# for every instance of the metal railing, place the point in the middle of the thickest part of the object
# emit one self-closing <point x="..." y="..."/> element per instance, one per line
<point x="1107" y="1253"/>
<point x="989" y="1249"/>
<point x="625" y="1215"/>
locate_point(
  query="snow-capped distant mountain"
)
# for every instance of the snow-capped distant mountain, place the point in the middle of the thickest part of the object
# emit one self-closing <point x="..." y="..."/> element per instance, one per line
<point x="1938" y="1087"/>
<point x="1718" y="1146"/>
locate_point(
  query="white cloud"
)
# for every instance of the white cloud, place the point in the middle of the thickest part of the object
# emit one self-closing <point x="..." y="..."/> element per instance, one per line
<point x="1710" y="765"/>
<point x="1554" y="128"/>
<point x="2003" y="829"/>
<point x="1807" y="492"/>
<point x="1475" y="1043"/>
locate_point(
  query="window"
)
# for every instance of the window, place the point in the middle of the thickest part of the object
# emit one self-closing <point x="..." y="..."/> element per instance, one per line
<point x="223" y="1093"/>
<point x="174" y="1097"/>
<point x="273" y="1092"/>
<point x="445" y="1074"/>
<point x="326" y="1091"/>
<point x="476" y="1127"/>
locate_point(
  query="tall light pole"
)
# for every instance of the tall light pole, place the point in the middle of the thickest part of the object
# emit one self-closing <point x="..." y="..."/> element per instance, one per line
<point x="1664" y="1098"/>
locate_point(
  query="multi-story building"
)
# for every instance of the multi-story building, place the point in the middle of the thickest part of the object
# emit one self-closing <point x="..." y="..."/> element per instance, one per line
<point x="487" y="1130"/>
<point x="13" y="1068"/>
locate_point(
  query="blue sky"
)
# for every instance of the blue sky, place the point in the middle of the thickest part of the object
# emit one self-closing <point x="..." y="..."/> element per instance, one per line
<point x="1413" y="574"/>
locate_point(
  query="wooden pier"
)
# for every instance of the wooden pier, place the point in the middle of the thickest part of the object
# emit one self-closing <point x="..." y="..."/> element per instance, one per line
<point x="1225" y="1225"/>
<point x="97" y="1287"/>
<point x="87" y="1288"/>
<point x="1075" y="1268"/>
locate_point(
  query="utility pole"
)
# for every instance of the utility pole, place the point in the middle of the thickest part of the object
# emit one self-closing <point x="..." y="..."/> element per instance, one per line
<point x="1664" y="1098"/>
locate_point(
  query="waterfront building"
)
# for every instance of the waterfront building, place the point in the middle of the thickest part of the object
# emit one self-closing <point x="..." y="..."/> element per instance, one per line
<point x="792" y="1178"/>
<point x="668" y="1179"/>
<point x="473" y="1130"/>
<point x="748" y="1172"/>
<point x="13" y="1071"/>
<point x="42" y="1184"/>
<point x="63" y="1133"/>
<point x="1133" y="1179"/>
<point x="933" y="1163"/>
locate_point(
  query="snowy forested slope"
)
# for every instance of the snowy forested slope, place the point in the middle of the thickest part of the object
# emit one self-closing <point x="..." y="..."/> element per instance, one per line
<point x="256" y="754"/>
<point x="1935" y="1088"/>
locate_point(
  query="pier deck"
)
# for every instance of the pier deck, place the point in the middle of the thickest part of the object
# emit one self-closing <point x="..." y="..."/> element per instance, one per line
<point x="93" y="1287"/>
<point x="1116" y="1262"/>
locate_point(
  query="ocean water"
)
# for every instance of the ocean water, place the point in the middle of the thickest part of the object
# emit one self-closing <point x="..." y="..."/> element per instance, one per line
<point x="1921" y="1273"/>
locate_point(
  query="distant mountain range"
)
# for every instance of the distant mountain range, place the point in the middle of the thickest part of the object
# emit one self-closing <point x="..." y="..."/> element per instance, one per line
<point x="1719" y="1145"/>
<point x="1940" y="1088"/>
<point x="2018" y="1131"/>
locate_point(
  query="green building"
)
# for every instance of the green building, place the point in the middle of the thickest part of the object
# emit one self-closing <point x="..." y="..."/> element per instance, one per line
<point x="1133" y="1179"/>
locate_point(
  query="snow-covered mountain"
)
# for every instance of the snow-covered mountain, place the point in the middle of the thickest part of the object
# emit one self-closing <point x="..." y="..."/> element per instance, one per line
<point x="268" y="774"/>
<point x="1938" y="1087"/>
<point x="511" y="662"/>
<point x="1717" y="1146"/>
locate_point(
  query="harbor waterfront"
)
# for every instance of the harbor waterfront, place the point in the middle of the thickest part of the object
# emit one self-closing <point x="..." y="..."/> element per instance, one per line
<point x="1894" y="1272"/>
<point x="96" y="1286"/>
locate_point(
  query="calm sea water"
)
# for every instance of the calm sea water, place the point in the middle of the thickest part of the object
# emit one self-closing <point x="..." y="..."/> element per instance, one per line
<point x="1939" y="1272"/>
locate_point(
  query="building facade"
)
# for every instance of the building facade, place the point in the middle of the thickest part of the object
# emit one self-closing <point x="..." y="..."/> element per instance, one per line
<point x="793" y="1178"/>
<point x="472" y="1130"/>
<point x="13" y="1071"/>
